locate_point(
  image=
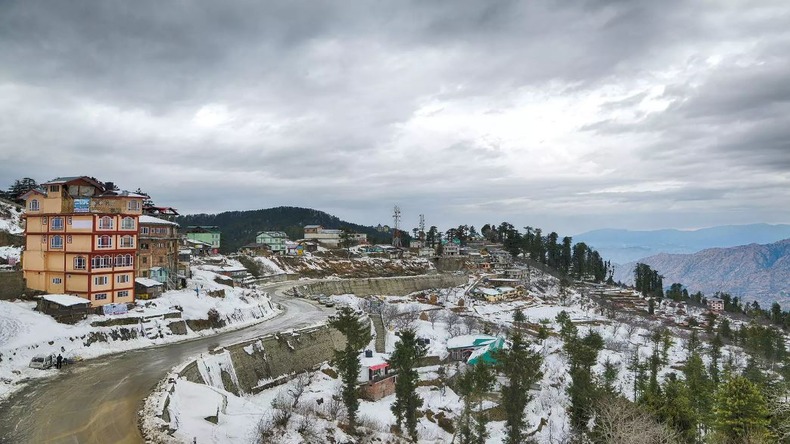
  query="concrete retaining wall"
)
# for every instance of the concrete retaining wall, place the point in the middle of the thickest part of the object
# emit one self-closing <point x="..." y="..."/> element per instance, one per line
<point x="395" y="286"/>
<point x="270" y="357"/>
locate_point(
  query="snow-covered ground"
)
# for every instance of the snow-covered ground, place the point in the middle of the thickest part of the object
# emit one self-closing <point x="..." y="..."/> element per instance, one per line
<point x="25" y="333"/>
<point x="245" y="418"/>
<point x="10" y="218"/>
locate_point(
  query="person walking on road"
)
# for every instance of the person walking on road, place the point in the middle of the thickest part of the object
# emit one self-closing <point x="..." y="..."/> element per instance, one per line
<point x="59" y="361"/>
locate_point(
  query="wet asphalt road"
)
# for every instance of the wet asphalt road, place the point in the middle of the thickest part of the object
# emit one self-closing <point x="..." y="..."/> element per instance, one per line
<point x="97" y="401"/>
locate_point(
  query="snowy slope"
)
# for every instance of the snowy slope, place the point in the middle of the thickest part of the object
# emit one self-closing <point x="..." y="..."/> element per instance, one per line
<point x="10" y="218"/>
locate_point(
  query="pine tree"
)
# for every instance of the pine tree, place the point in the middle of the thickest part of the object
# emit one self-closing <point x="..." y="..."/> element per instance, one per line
<point x="521" y="367"/>
<point x="700" y="389"/>
<point x="740" y="412"/>
<point x="472" y="385"/>
<point x="583" y="354"/>
<point x="357" y="335"/>
<point x="404" y="360"/>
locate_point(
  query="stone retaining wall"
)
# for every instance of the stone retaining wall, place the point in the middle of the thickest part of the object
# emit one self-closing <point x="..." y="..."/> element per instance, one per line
<point x="12" y="285"/>
<point x="395" y="286"/>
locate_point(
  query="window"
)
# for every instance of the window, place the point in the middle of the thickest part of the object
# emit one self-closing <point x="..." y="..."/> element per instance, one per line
<point x="79" y="263"/>
<point x="134" y="205"/>
<point x="54" y="188"/>
<point x="145" y="260"/>
<point x="127" y="241"/>
<point x="57" y="223"/>
<point x="161" y="260"/>
<point x="34" y="205"/>
<point x="127" y="223"/>
<point x="101" y="262"/>
<point x="144" y="230"/>
<point x="100" y="296"/>
<point x="122" y="278"/>
<point x="105" y="242"/>
<point x="143" y="245"/>
<point x="57" y="281"/>
<point x="105" y="223"/>
<point x="56" y="241"/>
<point x="100" y="280"/>
<point x="123" y="294"/>
<point x="124" y="260"/>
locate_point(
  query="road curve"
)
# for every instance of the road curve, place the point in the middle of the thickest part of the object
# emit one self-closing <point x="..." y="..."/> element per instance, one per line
<point x="97" y="401"/>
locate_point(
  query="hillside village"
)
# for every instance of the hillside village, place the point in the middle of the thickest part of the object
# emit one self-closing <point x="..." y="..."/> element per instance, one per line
<point x="90" y="270"/>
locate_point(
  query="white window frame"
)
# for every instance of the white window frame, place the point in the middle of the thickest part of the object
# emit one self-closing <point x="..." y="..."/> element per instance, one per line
<point x="100" y="296"/>
<point x="106" y="223"/>
<point x="123" y="294"/>
<point x="54" y="244"/>
<point x="127" y="241"/>
<point x="34" y="205"/>
<point x="127" y="223"/>
<point x="143" y="230"/>
<point x="80" y="260"/>
<point x="107" y="244"/>
<point x="122" y="279"/>
<point x="57" y="223"/>
<point x="133" y="205"/>
<point x="57" y="281"/>
<point x="100" y="280"/>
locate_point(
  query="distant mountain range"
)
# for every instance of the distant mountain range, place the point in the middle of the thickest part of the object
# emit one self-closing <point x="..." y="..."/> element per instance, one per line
<point x="622" y="246"/>
<point x="240" y="227"/>
<point x="753" y="272"/>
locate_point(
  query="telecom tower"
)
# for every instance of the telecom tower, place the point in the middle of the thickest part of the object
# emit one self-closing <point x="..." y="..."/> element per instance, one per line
<point x="396" y="231"/>
<point x="422" y="227"/>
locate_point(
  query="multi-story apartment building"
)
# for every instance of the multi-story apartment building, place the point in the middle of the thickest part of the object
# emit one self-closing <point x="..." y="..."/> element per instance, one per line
<point x="330" y="237"/>
<point x="81" y="238"/>
<point x="207" y="234"/>
<point x="274" y="239"/>
<point x="157" y="254"/>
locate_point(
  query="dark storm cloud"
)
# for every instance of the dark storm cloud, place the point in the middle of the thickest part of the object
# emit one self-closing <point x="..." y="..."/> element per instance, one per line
<point x="345" y="105"/>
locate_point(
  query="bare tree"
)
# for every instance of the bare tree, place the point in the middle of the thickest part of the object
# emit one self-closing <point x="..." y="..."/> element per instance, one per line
<point x="471" y="324"/>
<point x="388" y="313"/>
<point x="434" y="315"/>
<point x="619" y="421"/>
<point x="453" y="319"/>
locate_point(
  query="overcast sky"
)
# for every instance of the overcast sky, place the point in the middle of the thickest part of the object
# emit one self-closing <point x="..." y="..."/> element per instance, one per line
<point x="569" y="115"/>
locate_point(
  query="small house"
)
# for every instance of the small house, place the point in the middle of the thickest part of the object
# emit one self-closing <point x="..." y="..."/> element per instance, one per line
<point x="376" y="380"/>
<point x="486" y="354"/>
<point x="462" y="347"/>
<point x="65" y="308"/>
<point x="716" y="304"/>
<point x="146" y="288"/>
<point x="256" y="249"/>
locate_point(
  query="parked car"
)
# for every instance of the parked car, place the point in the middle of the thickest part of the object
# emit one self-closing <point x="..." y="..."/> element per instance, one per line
<point x="42" y="362"/>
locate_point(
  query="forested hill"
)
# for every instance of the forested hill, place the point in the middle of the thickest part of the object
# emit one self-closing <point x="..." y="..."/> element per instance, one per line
<point x="240" y="227"/>
<point x="751" y="272"/>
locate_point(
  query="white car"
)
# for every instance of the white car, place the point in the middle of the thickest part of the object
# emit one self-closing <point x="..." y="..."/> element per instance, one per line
<point x="42" y="362"/>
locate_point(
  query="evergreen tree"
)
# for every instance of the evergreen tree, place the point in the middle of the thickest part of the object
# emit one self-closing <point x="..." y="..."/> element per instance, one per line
<point x="741" y="413"/>
<point x="715" y="356"/>
<point x="521" y="368"/>
<point x="472" y="385"/>
<point x="404" y="360"/>
<point x="357" y="335"/>
<point x="583" y="354"/>
<point x="700" y="389"/>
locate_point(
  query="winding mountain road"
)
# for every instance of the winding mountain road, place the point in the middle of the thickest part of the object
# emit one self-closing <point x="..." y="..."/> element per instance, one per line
<point x="97" y="401"/>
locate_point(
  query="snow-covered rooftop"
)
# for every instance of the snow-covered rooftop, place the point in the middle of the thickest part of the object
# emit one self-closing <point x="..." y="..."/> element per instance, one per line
<point x="377" y="361"/>
<point x="66" y="300"/>
<point x="147" y="282"/>
<point x="470" y="341"/>
<point x="150" y="220"/>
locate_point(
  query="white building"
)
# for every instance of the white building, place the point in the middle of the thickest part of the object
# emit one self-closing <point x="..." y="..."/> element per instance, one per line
<point x="329" y="237"/>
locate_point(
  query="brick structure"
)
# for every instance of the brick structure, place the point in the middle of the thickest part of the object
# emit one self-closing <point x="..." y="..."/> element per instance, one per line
<point x="157" y="255"/>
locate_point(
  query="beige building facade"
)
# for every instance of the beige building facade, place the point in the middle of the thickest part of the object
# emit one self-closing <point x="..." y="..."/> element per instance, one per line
<point x="81" y="238"/>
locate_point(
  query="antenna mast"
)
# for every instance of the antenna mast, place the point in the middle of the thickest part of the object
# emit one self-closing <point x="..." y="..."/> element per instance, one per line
<point x="396" y="242"/>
